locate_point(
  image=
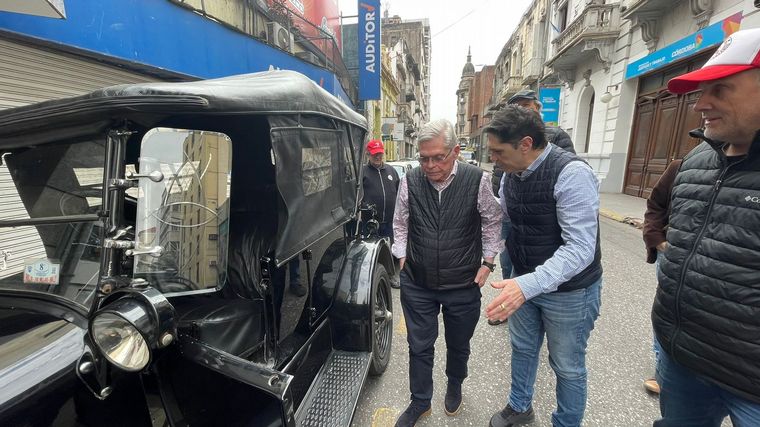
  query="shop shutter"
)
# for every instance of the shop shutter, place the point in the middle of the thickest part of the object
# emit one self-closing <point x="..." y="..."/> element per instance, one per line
<point x="28" y="75"/>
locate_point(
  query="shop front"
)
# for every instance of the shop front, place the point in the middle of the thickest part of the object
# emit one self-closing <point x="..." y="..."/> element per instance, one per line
<point x="662" y="121"/>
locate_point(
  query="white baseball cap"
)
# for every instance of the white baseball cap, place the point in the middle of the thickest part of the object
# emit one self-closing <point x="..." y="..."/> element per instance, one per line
<point x="739" y="52"/>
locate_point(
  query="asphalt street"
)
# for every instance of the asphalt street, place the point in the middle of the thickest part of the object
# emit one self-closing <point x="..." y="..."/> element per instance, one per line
<point x="619" y="355"/>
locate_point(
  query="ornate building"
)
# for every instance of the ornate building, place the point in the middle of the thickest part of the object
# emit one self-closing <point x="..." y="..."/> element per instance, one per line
<point x="463" y="101"/>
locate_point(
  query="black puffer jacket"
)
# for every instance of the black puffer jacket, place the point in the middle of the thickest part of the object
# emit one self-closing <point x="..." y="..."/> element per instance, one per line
<point x="555" y="135"/>
<point x="380" y="188"/>
<point x="706" y="313"/>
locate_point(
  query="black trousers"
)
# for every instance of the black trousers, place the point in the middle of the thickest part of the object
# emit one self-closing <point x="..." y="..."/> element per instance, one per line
<point x="461" y="312"/>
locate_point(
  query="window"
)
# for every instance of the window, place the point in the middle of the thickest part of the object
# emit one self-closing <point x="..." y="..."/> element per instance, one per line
<point x="175" y="215"/>
<point x="562" y="17"/>
<point x="63" y="180"/>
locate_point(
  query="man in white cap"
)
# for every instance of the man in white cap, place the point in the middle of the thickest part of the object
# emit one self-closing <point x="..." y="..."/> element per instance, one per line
<point x="706" y="314"/>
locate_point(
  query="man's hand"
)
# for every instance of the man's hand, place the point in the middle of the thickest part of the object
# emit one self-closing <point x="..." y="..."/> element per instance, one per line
<point x="401" y="262"/>
<point x="482" y="275"/>
<point x="662" y="246"/>
<point x="507" y="302"/>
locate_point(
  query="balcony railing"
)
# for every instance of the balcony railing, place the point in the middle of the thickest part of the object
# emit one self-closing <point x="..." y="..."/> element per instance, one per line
<point x="596" y="20"/>
<point x="511" y="86"/>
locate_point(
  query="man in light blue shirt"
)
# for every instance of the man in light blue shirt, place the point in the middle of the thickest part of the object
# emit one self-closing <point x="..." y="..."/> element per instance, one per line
<point x="552" y="199"/>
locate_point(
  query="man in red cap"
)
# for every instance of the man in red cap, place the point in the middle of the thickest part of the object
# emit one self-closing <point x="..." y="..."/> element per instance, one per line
<point x="706" y="314"/>
<point x="380" y="183"/>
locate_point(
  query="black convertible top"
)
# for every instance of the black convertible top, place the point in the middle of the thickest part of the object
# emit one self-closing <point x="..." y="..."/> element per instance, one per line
<point x="270" y="92"/>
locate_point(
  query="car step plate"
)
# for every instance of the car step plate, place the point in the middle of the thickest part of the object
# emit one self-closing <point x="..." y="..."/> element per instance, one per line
<point x="332" y="398"/>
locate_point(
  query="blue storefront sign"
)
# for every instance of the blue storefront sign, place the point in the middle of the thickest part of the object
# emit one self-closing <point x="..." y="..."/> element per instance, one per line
<point x="369" y="49"/>
<point x="549" y="97"/>
<point x="163" y="35"/>
<point x="688" y="46"/>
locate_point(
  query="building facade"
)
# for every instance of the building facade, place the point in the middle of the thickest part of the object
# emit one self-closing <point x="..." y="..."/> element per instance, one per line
<point x="479" y="105"/>
<point x="612" y="60"/>
<point x="615" y="59"/>
<point x="416" y="34"/>
<point x="463" y="101"/>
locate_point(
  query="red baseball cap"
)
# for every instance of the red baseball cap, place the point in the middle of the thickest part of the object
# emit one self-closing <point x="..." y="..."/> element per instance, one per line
<point x="739" y="52"/>
<point x="375" y="147"/>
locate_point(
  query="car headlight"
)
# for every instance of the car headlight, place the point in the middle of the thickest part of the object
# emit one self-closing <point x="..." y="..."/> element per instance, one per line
<point x="120" y="342"/>
<point x="128" y="328"/>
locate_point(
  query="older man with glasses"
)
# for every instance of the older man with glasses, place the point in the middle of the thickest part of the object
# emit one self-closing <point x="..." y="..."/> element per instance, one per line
<point x="446" y="229"/>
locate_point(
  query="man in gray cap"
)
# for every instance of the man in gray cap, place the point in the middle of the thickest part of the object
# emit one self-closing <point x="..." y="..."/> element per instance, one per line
<point x="528" y="99"/>
<point x="554" y="134"/>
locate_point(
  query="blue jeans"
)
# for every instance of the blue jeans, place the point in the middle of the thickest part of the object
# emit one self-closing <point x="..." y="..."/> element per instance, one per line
<point x="566" y="318"/>
<point x="688" y="400"/>
<point x="656" y="347"/>
<point x="504" y="260"/>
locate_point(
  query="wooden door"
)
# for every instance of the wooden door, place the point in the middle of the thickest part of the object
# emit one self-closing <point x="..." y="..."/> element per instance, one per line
<point x="690" y="120"/>
<point x="642" y="128"/>
<point x="660" y="142"/>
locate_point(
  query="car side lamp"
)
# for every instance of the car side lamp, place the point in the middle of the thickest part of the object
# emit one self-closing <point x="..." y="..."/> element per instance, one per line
<point x="131" y="325"/>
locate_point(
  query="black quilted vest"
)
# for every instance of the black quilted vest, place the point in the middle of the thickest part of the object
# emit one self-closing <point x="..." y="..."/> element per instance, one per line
<point x="536" y="233"/>
<point x="706" y="313"/>
<point x="444" y="246"/>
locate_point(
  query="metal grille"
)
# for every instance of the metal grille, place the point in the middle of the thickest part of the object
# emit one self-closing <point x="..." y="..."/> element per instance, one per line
<point x="332" y="400"/>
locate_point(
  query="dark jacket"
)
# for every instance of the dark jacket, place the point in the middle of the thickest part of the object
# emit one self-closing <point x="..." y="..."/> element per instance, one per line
<point x="536" y="234"/>
<point x="444" y="246"/>
<point x="658" y="210"/>
<point x="380" y="189"/>
<point x="706" y="312"/>
<point x="554" y="135"/>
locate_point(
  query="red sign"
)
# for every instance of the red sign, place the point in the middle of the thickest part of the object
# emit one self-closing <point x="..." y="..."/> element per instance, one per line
<point x="323" y="14"/>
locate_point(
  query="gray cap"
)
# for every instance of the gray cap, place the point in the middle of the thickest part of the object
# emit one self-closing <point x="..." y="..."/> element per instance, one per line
<point x="523" y="94"/>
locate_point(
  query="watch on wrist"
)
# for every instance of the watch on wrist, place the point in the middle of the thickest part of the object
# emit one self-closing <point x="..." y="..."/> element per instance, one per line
<point x="491" y="266"/>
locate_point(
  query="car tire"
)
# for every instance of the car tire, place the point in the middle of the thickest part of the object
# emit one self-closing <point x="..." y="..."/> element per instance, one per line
<point x="382" y="321"/>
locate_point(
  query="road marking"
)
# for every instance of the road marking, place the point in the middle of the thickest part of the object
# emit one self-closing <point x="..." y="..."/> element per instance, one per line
<point x="611" y="215"/>
<point x="384" y="417"/>
<point x="401" y="327"/>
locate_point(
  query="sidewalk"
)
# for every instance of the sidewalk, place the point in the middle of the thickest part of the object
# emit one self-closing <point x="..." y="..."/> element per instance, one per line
<point x="623" y="208"/>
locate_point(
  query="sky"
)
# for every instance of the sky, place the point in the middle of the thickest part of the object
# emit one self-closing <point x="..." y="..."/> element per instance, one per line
<point x="485" y="25"/>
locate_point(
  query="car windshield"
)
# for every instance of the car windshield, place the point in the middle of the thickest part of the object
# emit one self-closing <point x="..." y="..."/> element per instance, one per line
<point x="182" y="224"/>
<point x="59" y="183"/>
<point x="400" y="170"/>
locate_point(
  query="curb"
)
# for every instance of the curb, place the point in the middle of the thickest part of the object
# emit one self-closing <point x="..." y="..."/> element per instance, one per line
<point x="635" y="222"/>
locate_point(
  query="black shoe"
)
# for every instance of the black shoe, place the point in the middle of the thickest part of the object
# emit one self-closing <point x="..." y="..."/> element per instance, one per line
<point x="413" y="413"/>
<point x="494" y="322"/>
<point x="453" y="401"/>
<point x="508" y="417"/>
<point x="297" y="289"/>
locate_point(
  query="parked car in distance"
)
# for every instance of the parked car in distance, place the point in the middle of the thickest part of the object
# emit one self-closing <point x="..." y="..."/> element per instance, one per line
<point x="469" y="157"/>
<point x="404" y="166"/>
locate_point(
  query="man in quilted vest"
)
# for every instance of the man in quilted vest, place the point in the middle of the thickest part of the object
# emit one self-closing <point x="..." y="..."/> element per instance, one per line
<point x="706" y="314"/>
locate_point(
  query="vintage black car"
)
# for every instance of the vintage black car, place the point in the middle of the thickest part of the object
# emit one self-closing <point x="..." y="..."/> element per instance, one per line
<point x="188" y="254"/>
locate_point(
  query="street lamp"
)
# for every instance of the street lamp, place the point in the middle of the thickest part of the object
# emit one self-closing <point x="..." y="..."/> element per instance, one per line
<point x="607" y="96"/>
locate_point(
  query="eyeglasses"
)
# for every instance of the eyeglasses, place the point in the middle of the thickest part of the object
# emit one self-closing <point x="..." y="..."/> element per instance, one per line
<point x="435" y="159"/>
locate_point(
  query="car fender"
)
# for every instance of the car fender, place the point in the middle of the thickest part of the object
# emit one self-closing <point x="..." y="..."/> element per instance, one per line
<point x="352" y="307"/>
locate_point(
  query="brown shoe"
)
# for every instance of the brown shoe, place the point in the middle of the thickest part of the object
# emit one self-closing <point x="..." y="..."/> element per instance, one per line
<point x="651" y="386"/>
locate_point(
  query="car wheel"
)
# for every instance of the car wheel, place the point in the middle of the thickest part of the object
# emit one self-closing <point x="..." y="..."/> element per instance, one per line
<point x="382" y="321"/>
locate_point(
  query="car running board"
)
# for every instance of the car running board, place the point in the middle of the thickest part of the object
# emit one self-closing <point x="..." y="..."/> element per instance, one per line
<point x="332" y="397"/>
